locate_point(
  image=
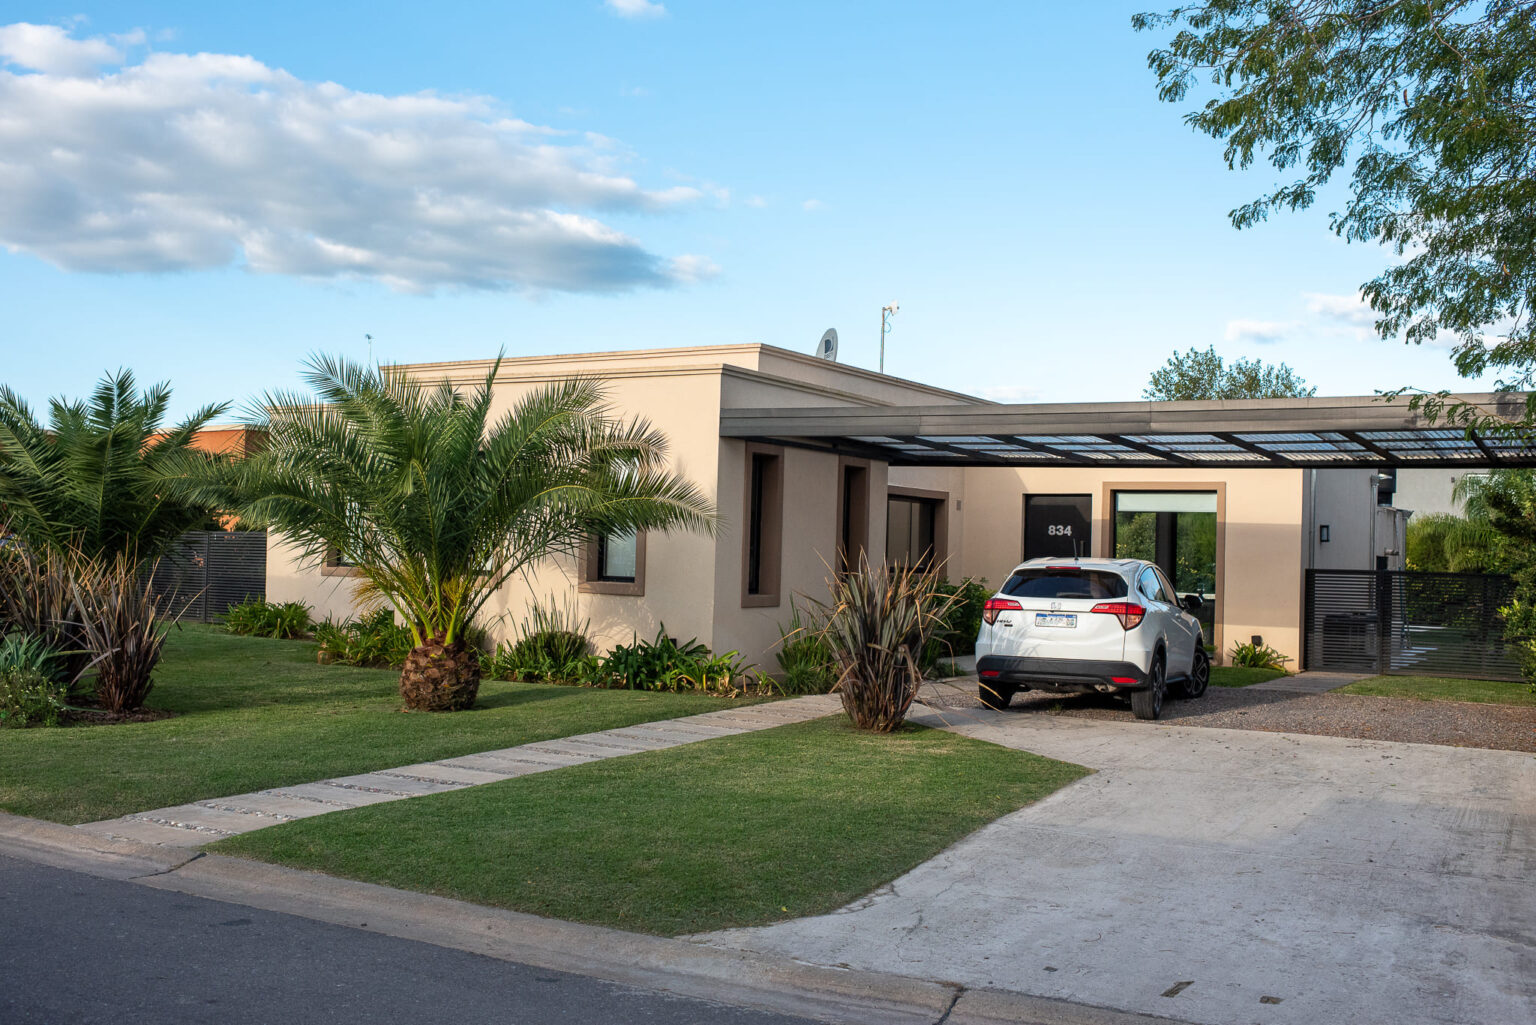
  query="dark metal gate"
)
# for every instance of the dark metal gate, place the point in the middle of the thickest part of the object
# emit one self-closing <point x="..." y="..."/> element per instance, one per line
<point x="1408" y="623"/>
<point x="207" y="571"/>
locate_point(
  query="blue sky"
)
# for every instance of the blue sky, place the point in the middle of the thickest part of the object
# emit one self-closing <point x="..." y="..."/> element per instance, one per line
<point x="588" y="175"/>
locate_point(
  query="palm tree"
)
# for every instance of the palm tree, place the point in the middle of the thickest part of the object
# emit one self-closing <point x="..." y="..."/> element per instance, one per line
<point x="100" y="478"/>
<point x="437" y="506"/>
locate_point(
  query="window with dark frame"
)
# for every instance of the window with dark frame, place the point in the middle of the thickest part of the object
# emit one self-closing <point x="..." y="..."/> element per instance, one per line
<point x="764" y="522"/>
<point x="910" y="530"/>
<point x="617" y="557"/>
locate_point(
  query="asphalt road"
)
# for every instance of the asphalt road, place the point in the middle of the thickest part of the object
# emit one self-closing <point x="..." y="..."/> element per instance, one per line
<point x="80" y="950"/>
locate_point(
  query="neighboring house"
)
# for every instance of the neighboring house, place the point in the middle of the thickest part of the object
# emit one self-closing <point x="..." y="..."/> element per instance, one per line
<point x="809" y="462"/>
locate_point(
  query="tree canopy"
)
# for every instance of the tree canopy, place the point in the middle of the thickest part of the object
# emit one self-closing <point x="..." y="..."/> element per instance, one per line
<point x="1430" y="107"/>
<point x="1205" y="374"/>
<point x="103" y="476"/>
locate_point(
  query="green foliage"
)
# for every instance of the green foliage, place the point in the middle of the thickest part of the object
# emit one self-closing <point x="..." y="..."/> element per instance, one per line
<point x="258" y="618"/>
<point x="552" y="645"/>
<point x="1205" y="375"/>
<point x="806" y="662"/>
<point x="1445" y="543"/>
<point x="1256" y="656"/>
<point x="374" y="641"/>
<point x="665" y="664"/>
<point x="436" y="503"/>
<point x="1431" y="109"/>
<point x="37" y="600"/>
<point x="101" y="478"/>
<point x="963" y="620"/>
<point x="30" y="697"/>
<point x="31" y="653"/>
<point x="879" y="623"/>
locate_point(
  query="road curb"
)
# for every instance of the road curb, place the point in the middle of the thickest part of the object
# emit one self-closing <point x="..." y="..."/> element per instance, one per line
<point x="67" y="847"/>
<point x="682" y="967"/>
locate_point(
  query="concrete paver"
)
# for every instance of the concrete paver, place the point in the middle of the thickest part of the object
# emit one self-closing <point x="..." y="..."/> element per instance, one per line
<point x="1285" y="878"/>
<point x="200" y="822"/>
<point x="1310" y="682"/>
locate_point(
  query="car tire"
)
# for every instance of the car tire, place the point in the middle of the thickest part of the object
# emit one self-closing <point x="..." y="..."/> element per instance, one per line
<point x="1199" y="674"/>
<point x="1148" y="702"/>
<point x="995" y="695"/>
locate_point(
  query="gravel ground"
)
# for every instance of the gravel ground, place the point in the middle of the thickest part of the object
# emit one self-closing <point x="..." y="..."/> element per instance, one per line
<point x="1454" y="723"/>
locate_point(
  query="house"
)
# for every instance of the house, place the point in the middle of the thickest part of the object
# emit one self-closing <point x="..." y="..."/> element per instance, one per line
<point x="810" y="462"/>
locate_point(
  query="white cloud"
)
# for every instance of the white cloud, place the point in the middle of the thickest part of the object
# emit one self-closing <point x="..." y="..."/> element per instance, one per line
<point x="1262" y="332"/>
<point x="193" y="161"/>
<point x="756" y="201"/>
<point x="1345" y="310"/>
<point x="810" y="206"/>
<point x="691" y="268"/>
<point x="1009" y="393"/>
<point x="636" y="8"/>
<point x="51" y="49"/>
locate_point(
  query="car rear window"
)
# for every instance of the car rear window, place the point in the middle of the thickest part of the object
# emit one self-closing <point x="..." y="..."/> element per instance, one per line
<point x="1067" y="582"/>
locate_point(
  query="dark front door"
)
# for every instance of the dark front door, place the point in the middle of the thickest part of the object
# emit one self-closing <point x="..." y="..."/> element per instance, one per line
<point x="1057" y="526"/>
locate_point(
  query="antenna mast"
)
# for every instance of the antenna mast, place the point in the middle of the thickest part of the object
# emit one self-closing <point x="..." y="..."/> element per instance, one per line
<point x="886" y="313"/>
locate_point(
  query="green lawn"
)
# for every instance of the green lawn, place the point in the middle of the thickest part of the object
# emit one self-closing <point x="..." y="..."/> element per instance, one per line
<point x="742" y="830"/>
<point x="1441" y="688"/>
<point x="1240" y="676"/>
<point x="258" y="713"/>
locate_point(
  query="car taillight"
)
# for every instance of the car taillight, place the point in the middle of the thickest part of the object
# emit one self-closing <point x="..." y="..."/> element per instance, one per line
<point x="1130" y="616"/>
<point x="993" y="606"/>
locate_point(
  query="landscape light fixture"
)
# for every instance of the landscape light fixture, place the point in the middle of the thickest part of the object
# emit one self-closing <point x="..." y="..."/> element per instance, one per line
<point x="886" y="313"/>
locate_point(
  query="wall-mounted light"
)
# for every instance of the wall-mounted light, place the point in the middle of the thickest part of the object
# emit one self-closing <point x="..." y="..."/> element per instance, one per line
<point x="1322" y="533"/>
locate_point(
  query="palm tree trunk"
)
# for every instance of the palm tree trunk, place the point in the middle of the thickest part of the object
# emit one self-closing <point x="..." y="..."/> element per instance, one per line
<point x="440" y="677"/>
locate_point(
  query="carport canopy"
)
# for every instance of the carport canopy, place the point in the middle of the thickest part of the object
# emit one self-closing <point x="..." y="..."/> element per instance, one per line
<point x="1364" y="431"/>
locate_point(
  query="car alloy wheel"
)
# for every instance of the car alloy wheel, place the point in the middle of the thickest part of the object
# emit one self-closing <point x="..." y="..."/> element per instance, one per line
<point x="1199" y="675"/>
<point x="1148" y="703"/>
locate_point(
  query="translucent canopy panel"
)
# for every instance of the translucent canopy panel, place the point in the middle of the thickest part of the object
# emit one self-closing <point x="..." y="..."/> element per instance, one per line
<point x="1165" y="501"/>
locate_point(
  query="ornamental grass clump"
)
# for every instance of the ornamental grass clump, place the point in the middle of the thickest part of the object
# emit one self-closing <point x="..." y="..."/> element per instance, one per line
<point x="123" y="627"/>
<point x="878" y="623"/>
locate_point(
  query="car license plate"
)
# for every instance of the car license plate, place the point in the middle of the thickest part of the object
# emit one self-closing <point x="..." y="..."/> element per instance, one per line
<point x="1055" y="619"/>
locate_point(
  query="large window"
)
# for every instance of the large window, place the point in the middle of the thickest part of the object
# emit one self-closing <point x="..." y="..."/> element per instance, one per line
<point x="1177" y="531"/>
<point x="761" y="547"/>
<point x="912" y="530"/>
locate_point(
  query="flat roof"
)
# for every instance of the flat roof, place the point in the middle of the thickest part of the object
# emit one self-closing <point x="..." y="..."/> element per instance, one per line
<point x="1358" y="431"/>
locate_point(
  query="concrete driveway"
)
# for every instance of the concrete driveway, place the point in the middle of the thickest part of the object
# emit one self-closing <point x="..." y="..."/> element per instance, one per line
<point x="1256" y="877"/>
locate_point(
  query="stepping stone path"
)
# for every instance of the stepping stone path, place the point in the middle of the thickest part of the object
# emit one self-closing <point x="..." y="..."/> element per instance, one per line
<point x="192" y="825"/>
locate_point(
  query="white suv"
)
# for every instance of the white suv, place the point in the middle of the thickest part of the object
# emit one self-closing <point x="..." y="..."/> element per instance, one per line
<point x="1084" y="625"/>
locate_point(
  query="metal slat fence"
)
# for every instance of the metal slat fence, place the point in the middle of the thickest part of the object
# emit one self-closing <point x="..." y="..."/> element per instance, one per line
<point x="207" y="571"/>
<point x="1408" y="623"/>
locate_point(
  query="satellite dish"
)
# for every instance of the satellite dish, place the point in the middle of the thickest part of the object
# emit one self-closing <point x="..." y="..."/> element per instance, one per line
<point x="827" y="347"/>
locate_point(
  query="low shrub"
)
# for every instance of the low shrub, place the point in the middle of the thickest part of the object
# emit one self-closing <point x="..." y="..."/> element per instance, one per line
<point x="258" y="618"/>
<point x="551" y="646"/>
<point x="37" y="599"/>
<point x="29" y="653"/>
<point x="375" y="641"/>
<point x="30" y="697"/>
<point x="664" y="664"/>
<point x="963" y="620"/>
<point x="806" y="662"/>
<point x="1257" y="656"/>
<point x="879" y="622"/>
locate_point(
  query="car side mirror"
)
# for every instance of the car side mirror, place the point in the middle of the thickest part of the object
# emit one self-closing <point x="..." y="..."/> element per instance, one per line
<point x="1191" y="602"/>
